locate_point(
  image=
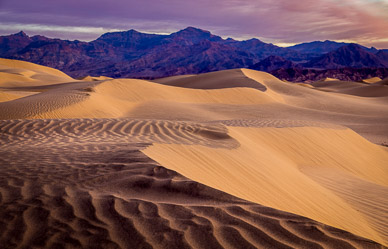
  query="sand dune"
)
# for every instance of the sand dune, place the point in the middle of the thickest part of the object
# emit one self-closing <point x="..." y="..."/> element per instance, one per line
<point x="15" y="73"/>
<point x="144" y="99"/>
<point x="92" y="177"/>
<point x="94" y="78"/>
<point x="267" y="167"/>
<point x="117" y="98"/>
<point x="4" y="96"/>
<point x="372" y="80"/>
<point x="330" y="79"/>
<point x="215" y="80"/>
<point x="230" y="159"/>
<point x="354" y="88"/>
<point x="383" y="82"/>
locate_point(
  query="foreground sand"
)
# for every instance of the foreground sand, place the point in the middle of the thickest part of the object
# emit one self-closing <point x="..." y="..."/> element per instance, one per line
<point x="231" y="159"/>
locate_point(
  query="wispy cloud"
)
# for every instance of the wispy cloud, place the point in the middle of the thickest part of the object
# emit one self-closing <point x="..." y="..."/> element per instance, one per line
<point x="277" y="21"/>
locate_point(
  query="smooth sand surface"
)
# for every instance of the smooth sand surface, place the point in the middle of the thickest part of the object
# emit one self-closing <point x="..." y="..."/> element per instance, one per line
<point x="372" y="80"/>
<point x="14" y="73"/>
<point x="267" y="168"/>
<point x="230" y="159"/>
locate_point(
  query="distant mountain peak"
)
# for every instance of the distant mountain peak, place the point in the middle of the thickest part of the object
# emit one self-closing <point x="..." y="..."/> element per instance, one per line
<point x="21" y="34"/>
<point x="191" y="32"/>
<point x="119" y="33"/>
<point x="349" y="55"/>
<point x="194" y="35"/>
<point x="133" y="31"/>
<point x="191" y="29"/>
<point x="318" y="47"/>
<point x="189" y="51"/>
<point x="255" y="40"/>
<point x="353" y="46"/>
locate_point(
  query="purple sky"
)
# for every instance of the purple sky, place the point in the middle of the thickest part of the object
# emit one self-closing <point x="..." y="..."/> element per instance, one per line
<point x="282" y="22"/>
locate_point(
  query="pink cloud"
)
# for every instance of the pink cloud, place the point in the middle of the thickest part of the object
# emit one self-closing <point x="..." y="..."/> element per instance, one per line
<point x="273" y="20"/>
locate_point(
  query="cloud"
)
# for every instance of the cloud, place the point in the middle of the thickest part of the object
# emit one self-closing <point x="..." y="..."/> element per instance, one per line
<point x="278" y="21"/>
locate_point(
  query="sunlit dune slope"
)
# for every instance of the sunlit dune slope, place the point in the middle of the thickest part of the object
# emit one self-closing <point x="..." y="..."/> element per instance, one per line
<point x="94" y="78"/>
<point x="14" y="73"/>
<point x="276" y="167"/>
<point x="117" y="98"/>
<point x="372" y="80"/>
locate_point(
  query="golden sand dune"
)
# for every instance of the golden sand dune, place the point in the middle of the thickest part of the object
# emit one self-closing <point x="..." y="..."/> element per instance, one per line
<point x="92" y="187"/>
<point x="119" y="98"/>
<point x="215" y="80"/>
<point x="144" y="99"/>
<point x="268" y="168"/>
<point x="372" y="80"/>
<point x="330" y="79"/>
<point x="5" y="96"/>
<point x="230" y="159"/>
<point x="94" y="78"/>
<point x="15" y="73"/>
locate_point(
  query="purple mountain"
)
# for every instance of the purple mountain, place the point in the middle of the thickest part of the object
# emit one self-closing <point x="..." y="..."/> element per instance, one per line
<point x="274" y="62"/>
<point x="318" y="47"/>
<point x="351" y="55"/>
<point x="188" y="51"/>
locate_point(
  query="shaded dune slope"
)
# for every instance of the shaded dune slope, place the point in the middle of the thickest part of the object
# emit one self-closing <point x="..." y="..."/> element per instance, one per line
<point x="101" y="191"/>
<point x="216" y="80"/>
<point x="383" y="82"/>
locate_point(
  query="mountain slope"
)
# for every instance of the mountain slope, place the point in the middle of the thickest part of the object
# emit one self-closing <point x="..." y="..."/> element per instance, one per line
<point x="135" y="54"/>
<point x="347" y="74"/>
<point x="188" y="51"/>
<point x="272" y="63"/>
<point x="318" y="47"/>
<point x="352" y="55"/>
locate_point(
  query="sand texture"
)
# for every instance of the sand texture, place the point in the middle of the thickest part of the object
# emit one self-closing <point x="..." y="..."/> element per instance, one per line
<point x="230" y="159"/>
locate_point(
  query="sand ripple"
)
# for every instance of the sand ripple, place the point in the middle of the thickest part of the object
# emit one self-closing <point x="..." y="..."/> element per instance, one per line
<point x="101" y="191"/>
<point x="57" y="131"/>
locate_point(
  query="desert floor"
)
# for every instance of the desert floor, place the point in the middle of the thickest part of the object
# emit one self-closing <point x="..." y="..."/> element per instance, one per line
<point x="229" y="159"/>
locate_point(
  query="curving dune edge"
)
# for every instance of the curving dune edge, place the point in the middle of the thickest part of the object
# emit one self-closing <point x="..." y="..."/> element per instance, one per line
<point x="230" y="159"/>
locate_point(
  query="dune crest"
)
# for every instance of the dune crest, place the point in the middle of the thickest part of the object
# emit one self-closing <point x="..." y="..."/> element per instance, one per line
<point x="268" y="169"/>
<point x="230" y="159"/>
<point x="372" y="80"/>
<point x="14" y="73"/>
<point x="94" y="78"/>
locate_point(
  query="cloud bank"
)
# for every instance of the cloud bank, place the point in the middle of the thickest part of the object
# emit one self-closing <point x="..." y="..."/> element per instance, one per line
<point x="276" y="21"/>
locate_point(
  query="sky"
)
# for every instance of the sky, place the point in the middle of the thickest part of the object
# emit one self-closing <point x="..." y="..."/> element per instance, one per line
<point x="281" y="22"/>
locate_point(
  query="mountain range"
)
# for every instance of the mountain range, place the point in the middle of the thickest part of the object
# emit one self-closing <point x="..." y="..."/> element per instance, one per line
<point x="188" y="51"/>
